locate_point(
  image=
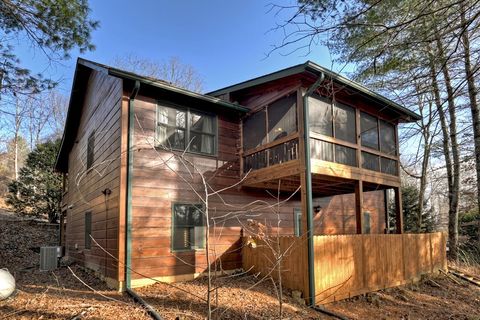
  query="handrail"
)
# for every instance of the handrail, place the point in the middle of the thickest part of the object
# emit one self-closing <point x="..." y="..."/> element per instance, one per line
<point x="270" y="144"/>
<point x="321" y="137"/>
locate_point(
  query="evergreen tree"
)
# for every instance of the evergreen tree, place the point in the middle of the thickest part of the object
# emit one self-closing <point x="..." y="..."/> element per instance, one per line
<point x="38" y="190"/>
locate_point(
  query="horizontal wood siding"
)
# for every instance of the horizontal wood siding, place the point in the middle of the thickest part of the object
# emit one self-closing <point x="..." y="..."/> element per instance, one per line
<point x="350" y="265"/>
<point x="101" y="113"/>
<point x="157" y="185"/>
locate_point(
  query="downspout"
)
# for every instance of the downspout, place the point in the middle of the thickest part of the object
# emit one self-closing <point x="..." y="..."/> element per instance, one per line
<point x="128" y="231"/>
<point x="128" y="234"/>
<point x="308" y="191"/>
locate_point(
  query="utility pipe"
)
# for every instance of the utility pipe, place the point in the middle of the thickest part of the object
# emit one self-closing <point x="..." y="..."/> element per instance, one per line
<point x="308" y="191"/>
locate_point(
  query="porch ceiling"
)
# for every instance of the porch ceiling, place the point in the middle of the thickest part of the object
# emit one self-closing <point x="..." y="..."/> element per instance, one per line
<point x="322" y="185"/>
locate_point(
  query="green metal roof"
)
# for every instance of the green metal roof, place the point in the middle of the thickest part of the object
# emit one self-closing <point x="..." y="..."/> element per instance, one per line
<point x="312" y="67"/>
<point x="160" y="84"/>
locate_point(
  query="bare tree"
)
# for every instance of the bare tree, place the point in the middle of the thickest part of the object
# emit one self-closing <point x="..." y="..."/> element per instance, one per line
<point x="172" y="70"/>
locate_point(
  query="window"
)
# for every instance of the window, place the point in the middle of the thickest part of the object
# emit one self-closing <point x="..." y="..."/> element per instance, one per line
<point x="369" y="130"/>
<point x="177" y="129"/>
<point x="88" y="229"/>
<point x="188" y="227"/>
<point x="275" y="121"/>
<point x="90" y="149"/>
<point x="297" y="216"/>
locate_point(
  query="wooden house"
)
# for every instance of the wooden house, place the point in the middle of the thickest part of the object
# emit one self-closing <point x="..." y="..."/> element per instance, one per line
<point x="303" y="153"/>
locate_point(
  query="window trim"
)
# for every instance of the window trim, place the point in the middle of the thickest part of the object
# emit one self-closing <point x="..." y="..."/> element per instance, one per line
<point x="172" y="249"/>
<point x="188" y="110"/>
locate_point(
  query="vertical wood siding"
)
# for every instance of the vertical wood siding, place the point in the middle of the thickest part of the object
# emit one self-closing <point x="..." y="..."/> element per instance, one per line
<point x="350" y="265"/>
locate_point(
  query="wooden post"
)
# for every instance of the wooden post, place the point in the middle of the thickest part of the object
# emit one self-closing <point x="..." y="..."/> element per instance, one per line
<point x="398" y="210"/>
<point x="359" y="205"/>
<point x="385" y="202"/>
<point x="303" y="191"/>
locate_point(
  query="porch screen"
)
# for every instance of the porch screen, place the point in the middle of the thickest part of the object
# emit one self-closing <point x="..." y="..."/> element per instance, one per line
<point x="344" y="121"/>
<point x="282" y="118"/>
<point x="369" y="130"/>
<point x="387" y="138"/>
<point x="320" y="115"/>
<point x="370" y="161"/>
<point x="254" y="131"/>
<point x="188" y="227"/>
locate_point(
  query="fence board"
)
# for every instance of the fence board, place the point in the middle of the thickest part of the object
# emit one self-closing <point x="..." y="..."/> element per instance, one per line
<point x="349" y="265"/>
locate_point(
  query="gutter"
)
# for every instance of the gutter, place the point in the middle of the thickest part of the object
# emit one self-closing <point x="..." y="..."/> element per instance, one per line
<point x="128" y="231"/>
<point x="308" y="191"/>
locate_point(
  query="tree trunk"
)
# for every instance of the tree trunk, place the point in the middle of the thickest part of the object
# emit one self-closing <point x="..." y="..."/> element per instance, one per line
<point x="472" y="95"/>
<point x="453" y="207"/>
<point x="452" y="236"/>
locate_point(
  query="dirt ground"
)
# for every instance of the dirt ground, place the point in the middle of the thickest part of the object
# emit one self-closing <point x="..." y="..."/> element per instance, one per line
<point x="59" y="295"/>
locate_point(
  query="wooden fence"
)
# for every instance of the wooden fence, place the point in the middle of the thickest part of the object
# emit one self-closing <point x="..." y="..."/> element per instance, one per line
<point x="349" y="265"/>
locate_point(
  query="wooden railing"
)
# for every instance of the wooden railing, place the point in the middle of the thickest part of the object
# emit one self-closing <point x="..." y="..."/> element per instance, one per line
<point x="271" y="154"/>
<point x="350" y="265"/>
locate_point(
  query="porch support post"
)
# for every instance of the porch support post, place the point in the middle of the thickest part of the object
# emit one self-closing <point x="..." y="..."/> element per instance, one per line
<point x="398" y="210"/>
<point x="306" y="172"/>
<point x="359" y="205"/>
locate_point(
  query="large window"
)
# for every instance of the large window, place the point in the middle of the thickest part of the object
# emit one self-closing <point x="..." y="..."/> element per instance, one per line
<point x="181" y="128"/>
<point x="188" y="227"/>
<point x="275" y="121"/>
<point x="387" y="138"/>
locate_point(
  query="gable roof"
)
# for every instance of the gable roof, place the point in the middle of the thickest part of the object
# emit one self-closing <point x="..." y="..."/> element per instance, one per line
<point x="79" y="86"/>
<point x="311" y="67"/>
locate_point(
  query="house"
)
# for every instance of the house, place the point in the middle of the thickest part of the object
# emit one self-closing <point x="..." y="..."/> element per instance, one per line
<point x="135" y="149"/>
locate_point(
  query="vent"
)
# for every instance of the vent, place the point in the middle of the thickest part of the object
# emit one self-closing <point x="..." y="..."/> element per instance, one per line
<point x="49" y="258"/>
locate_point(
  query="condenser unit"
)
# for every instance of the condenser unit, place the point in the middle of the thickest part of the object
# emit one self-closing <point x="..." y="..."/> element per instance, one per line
<point x="49" y="258"/>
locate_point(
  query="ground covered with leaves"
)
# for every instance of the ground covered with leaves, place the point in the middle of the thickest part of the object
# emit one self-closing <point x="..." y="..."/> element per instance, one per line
<point x="434" y="297"/>
<point x="60" y="295"/>
<point x="57" y="294"/>
<point x="237" y="297"/>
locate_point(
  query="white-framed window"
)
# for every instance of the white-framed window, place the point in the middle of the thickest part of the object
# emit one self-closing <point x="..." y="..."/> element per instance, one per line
<point x="184" y="128"/>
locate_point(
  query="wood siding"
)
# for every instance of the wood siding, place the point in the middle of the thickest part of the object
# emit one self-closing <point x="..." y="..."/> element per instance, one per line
<point x="101" y="114"/>
<point x="157" y="186"/>
<point x="350" y="265"/>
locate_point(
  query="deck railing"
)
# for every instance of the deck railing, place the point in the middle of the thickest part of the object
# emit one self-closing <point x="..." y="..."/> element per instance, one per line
<point x="350" y="265"/>
<point x="271" y="154"/>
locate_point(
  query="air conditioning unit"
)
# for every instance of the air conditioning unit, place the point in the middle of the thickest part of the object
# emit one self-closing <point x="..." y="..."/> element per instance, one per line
<point x="49" y="258"/>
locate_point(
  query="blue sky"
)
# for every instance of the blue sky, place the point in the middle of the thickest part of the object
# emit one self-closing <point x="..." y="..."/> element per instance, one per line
<point x="225" y="41"/>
